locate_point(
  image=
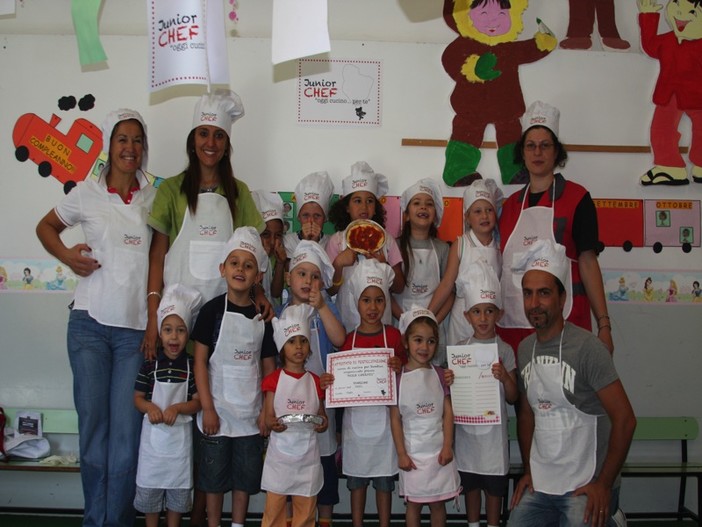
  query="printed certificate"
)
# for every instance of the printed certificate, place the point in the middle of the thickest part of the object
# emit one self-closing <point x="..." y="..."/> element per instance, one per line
<point x="475" y="393"/>
<point x="361" y="378"/>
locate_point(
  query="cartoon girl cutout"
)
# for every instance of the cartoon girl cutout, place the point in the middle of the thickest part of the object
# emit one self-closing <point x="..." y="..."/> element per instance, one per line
<point x="648" y="290"/>
<point x="696" y="292"/>
<point x="672" y="292"/>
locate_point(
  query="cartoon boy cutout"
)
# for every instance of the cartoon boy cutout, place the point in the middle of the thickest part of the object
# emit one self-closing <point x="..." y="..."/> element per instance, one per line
<point x="678" y="89"/>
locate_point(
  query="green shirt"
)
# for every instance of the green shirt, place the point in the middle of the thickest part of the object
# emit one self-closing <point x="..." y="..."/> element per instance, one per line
<point x="170" y="205"/>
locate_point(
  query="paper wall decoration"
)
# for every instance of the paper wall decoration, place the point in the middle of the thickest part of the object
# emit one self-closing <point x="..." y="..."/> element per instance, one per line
<point x="35" y="275"/>
<point x="484" y="62"/>
<point x="653" y="287"/>
<point x="300" y="29"/>
<point x="678" y="89"/>
<point x="186" y="43"/>
<point x="582" y="23"/>
<point x="85" y="22"/>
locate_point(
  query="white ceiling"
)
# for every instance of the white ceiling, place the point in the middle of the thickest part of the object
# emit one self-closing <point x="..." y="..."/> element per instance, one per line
<point x="376" y="20"/>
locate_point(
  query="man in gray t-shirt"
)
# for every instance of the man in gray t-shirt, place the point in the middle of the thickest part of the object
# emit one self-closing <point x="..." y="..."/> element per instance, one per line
<point x="575" y="421"/>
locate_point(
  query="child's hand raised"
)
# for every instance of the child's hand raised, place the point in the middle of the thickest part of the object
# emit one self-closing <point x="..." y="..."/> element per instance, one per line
<point x="449" y="377"/>
<point x="279" y="250"/>
<point x="395" y="364"/>
<point x="378" y="255"/>
<point x="311" y="231"/>
<point x="499" y="372"/>
<point x="316" y="298"/>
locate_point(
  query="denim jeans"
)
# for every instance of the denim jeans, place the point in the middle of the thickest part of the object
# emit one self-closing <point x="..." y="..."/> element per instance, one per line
<point x="105" y="361"/>
<point x="547" y="510"/>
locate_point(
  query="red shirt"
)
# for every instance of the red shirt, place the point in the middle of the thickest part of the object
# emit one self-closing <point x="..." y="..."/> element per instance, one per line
<point x="364" y="340"/>
<point x="270" y="382"/>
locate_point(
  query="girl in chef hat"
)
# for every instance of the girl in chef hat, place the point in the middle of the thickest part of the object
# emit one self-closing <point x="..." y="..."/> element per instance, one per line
<point x="361" y="192"/>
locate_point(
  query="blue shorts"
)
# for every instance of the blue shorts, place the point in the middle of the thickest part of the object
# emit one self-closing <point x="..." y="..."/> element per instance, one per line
<point x="156" y="500"/>
<point x="381" y="483"/>
<point x="229" y="463"/>
<point x="329" y="495"/>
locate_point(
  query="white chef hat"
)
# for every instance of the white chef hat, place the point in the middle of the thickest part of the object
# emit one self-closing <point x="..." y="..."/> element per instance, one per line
<point x="179" y="300"/>
<point x="371" y="272"/>
<point x="541" y="114"/>
<point x="363" y="177"/>
<point x="480" y="285"/>
<point x="112" y="119"/>
<point x="542" y="255"/>
<point x="293" y="321"/>
<point x="221" y="109"/>
<point x="316" y="187"/>
<point x="247" y="239"/>
<point x="269" y="204"/>
<point x="431" y="188"/>
<point x="312" y="252"/>
<point x="413" y="314"/>
<point x="485" y="189"/>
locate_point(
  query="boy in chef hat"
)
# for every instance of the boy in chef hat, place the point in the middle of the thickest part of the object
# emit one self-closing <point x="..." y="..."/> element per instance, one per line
<point x="547" y="256"/>
<point x="234" y="349"/>
<point x="481" y="201"/>
<point x="165" y="393"/>
<point x="292" y="466"/>
<point x="313" y="194"/>
<point x="482" y="452"/>
<point x="310" y="274"/>
<point x="362" y="191"/>
<point x="369" y="451"/>
<point x="270" y="205"/>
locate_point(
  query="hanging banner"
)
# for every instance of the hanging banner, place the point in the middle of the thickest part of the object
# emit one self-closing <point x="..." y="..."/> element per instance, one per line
<point x="299" y="29"/>
<point x="85" y="22"/>
<point x="186" y="43"/>
<point x="338" y="92"/>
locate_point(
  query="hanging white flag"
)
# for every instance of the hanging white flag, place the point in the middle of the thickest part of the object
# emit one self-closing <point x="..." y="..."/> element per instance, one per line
<point x="186" y="43"/>
<point x="300" y="29"/>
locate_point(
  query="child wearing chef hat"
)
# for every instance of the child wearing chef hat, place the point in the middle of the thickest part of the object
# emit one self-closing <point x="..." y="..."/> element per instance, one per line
<point x="294" y="412"/>
<point x="361" y="193"/>
<point x="165" y="393"/>
<point x="482" y="452"/>
<point x="313" y="195"/>
<point x="234" y="349"/>
<point x="270" y="205"/>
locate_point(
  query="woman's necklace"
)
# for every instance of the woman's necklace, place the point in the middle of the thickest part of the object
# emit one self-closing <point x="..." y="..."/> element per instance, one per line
<point x="210" y="188"/>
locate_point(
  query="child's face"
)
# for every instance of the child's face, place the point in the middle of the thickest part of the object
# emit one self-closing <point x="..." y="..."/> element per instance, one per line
<point x="301" y="280"/>
<point x="272" y="235"/>
<point x="296" y="351"/>
<point x="421" y="210"/>
<point x="483" y="317"/>
<point x="421" y="342"/>
<point x="490" y="19"/>
<point x="240" y="270"/>
<point x="371" y="305"/>
<point x="311" y="212"/>
<point x="481" y="217"/>
<point x="174" y="336"/>
<point x="361" y="205"/>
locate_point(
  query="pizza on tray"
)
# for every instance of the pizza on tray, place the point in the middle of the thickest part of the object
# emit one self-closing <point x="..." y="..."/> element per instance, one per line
<point x="365" y="236"/>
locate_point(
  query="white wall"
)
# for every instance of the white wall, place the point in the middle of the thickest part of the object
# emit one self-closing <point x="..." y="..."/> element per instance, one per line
<point x="604" y="99"/>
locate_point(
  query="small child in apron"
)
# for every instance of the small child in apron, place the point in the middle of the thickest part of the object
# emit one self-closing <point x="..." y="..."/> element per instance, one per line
<point x="270" y="205"/>
<point x="368" y="451"/>
<point x="424" y="256"/>
<point x="481" y="201"/>
<point x="310" y="274"/>
<point x="422" y="423"/>
<point x="482" y="453"/>
<point x="292" y="466"/>
<point x="165" y="393"/>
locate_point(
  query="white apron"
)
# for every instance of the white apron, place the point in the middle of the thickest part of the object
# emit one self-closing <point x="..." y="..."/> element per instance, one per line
<point x="117" y="292"/>
<point x="471" y="251"/>
<point x="346" y="303"/>
<point x="564" y="446"/>
<point x="421" y="404"/>
<point x="419" y="289"/>
<point x="292" y="465"/>
<point x="165" y="452"/>
<point x="235" y="375"/>
<point x="534" y="223"/>
<point x="195" y="255"/>
<point x="483" y="449"/>
<point x="327" y="439"/>
<point x="366" y="438"/>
